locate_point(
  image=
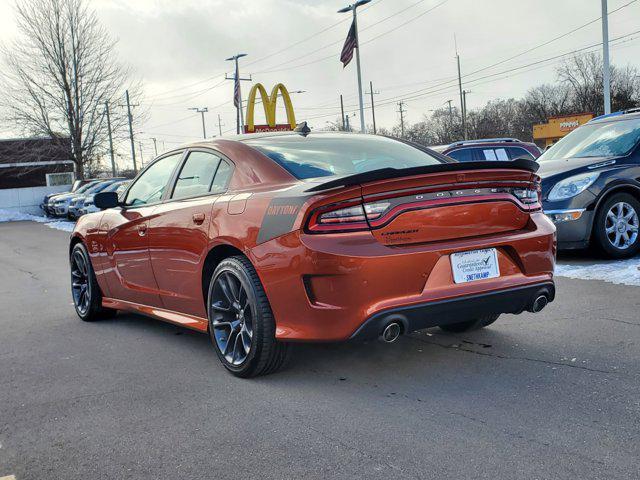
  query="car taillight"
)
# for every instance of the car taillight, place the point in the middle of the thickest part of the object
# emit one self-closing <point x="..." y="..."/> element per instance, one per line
<point x="346" y="217"/>
<point x="343" y="215"/>
<point x="526" y="195"/>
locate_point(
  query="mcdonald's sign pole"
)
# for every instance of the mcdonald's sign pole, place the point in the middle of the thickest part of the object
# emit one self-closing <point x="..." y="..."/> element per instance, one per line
<point x="353" y="8"/>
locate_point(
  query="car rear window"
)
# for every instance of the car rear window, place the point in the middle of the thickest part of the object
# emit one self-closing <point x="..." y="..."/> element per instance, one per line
<point x="325" y="155"/>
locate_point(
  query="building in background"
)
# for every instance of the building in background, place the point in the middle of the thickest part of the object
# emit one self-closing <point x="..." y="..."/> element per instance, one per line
<point x="546" y="134"/>
<point x="31" y="168"/>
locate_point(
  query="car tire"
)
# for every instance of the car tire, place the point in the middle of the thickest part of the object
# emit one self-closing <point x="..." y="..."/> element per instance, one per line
<point x="241" y="324"/>
<point x="85" y="291"/>
<point x="470" y="325"/>
<point x="614" y="223"/>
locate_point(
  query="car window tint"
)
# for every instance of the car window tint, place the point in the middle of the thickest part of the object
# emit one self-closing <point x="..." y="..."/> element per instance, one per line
<point x="464" y="155"/>
<point x="150" y="186"/>
<point x="338" y="154"/>
<point x="196" y="175"/>
<point x="515" y="152"/>
<point x="221" y="180"/>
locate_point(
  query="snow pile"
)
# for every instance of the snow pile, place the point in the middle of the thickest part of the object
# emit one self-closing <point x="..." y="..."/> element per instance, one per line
<point x="626" y="272"/>
<point x="14" y="216"/>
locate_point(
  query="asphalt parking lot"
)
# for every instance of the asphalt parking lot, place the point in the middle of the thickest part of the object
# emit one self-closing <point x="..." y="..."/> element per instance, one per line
<point x="548" y="396"/>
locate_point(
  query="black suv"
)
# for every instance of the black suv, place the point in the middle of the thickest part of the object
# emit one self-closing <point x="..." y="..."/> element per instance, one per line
<point x="591" y="185"/>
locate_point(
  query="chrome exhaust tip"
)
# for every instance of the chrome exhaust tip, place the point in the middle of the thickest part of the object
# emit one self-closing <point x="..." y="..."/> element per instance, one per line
<point x="539" y="303"/>
<point x="391" y="332"/>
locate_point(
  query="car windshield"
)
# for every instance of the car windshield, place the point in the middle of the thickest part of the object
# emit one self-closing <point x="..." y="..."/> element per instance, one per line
<point x="609" y="139"/>
<point x="340" y="154"/>
<point x="86" y="187"/>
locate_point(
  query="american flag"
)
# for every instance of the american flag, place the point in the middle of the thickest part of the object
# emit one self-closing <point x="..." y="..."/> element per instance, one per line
<point x="349" y="44"/>
<point x="236" y="89"/>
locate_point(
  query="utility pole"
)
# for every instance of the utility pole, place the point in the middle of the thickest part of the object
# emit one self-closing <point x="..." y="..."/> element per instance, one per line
<point x="373" y="109"/>
<point x="141" y="157"/>
<point x="450" y="108"/>
<point x="113" y="161"/>
<point x="237" y="92"/>
<point x="464" y="101"/>
<point x="348" y="127"/>
<point x="353" y="8"/>
<point x="401" y="110"/>
<point x="344" y="127"/>
<point x="219" y="125"/>
<point x="155" y="145"/>
<point x="133" y="146"/>
<point x="202" y="111"/>
<point x="606" y="74"/>
<point x="462" y="111"/>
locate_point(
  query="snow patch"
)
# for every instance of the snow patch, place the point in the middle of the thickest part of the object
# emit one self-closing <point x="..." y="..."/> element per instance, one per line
<point x="625" y="272"/>
<point x="15" y="216"/>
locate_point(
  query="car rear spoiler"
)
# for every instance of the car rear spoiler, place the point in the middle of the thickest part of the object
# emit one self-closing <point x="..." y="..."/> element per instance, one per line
<point x="388" y="173"/>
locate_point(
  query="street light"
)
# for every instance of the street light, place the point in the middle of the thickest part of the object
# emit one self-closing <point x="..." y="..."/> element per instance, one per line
<point x="352" y="8"/>
<point x="201" y="111"/>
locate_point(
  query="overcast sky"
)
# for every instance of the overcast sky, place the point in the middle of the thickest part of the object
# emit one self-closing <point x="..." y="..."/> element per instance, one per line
<point x="177" y="48"/>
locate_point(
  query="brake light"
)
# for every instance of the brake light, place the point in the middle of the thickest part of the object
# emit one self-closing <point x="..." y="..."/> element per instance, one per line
<point x="343" y="215"/>
<point x="527" y="196"/>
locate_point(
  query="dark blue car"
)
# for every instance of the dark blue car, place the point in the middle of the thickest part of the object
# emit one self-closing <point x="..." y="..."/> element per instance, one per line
<point x="591" y="185"/>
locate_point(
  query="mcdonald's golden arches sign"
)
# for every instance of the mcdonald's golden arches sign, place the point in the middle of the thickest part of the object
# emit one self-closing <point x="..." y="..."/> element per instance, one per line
<point x="269" y="103"/>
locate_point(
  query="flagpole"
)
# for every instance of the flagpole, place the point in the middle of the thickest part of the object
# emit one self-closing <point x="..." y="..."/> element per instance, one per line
<point x="353" y="8"/>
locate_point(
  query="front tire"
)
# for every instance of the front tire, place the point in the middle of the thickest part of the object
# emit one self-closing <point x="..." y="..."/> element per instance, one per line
<point x="616" y="226"/>
<point x="241" y="324"/>
<point x="85" y="291"/>
<point x="470" y="325"/>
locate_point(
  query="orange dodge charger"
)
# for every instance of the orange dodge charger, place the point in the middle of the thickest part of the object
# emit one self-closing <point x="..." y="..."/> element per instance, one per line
<point x="266" y="239"/>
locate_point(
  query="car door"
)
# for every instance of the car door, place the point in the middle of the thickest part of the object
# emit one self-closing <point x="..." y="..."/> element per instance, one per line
<point x="179" y="230"/>
<point x="129" y="274"/>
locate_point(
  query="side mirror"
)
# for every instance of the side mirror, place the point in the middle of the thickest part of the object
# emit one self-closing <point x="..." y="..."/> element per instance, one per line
<point x="104" y="200"/>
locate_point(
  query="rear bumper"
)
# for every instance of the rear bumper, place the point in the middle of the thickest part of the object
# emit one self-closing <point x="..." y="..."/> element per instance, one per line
<point x="325" y="287"/>
<point x="455" y="310"/>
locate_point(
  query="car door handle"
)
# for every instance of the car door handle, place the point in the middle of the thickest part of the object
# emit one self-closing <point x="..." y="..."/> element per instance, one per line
<point x="142" y="229"/>
<point x="198" y="218"/>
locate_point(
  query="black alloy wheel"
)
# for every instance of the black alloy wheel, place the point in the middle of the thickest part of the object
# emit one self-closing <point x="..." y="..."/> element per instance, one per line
<point x="241" y="324"/>
<point x="85" y="291"/>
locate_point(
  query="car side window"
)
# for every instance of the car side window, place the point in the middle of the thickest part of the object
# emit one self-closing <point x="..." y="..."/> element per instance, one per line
<point x="463" y="155"/>
<point x="516" y="152"/>
<point x="197" y="175"/>
<point x="149" y="187"/>
<point x="221" y="180"/>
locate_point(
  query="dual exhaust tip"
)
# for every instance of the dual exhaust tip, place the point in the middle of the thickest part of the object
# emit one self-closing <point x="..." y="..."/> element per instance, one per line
<point x="391" y="332"/>
<point x="393" y="329"/>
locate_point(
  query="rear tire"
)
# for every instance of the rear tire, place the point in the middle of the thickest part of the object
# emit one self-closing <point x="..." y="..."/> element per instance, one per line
<point x="241" y="324"/>
<point x="470" y="325"/>
<point x="615" y="229"/>
<point x="85" y="291"/>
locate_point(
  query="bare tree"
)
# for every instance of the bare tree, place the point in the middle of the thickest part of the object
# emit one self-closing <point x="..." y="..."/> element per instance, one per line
<point x="60" y="74"/>
<point x="582" y="75"/>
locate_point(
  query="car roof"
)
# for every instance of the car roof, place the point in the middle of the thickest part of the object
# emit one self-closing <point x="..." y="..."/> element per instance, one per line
<point x="632" y="114"/>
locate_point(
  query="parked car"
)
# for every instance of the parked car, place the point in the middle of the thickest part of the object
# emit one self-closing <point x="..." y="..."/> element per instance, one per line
<point x="88" y="205"/>
<point x="494" y="149"/>
<point x="44" y="206"/>
<point x="591" y="185"/>
<point x="271" y="238"/>
<point x="58" y="205"/>
<point x="66" y="205"/>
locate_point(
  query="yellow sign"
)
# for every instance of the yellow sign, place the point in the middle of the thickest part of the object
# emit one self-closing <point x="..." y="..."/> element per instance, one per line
<point x="269" y="104"/>
<point x="558" y="127"/>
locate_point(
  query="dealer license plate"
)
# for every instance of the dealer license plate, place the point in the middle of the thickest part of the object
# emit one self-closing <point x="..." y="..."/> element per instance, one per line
<point x="475" y="265"/>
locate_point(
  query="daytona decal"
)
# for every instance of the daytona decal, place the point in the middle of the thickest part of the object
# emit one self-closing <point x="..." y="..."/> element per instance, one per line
<point x="280" y="217"/>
